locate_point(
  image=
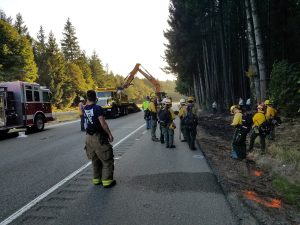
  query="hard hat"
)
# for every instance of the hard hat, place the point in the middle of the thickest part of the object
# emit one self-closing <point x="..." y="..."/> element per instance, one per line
<point x="164" y="101"/>
<point x="182" y="101"/>
<point x="153" y="95"/>
<point x="268" y="102"/>
<point x="190" y="99"/>
<point x="234" y="107"/>
<point x="81" y="99"/>
<point x="168" y="101"/>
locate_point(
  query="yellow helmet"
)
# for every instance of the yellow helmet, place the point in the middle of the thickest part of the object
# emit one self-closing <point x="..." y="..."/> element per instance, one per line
<point x="268" y="102"/>
<point x="190" y="99"/>
<point x="234" y="107"/>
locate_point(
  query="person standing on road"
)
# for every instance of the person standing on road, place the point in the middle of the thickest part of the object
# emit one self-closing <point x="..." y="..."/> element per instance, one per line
<point x="97" y="144"/>
<point x="182" y="111"/>
<point x="166" y="117"/>
<point x="153" y="113"/>
<point x="81" y="112"/>
<point x="147" y="115"/>
<point x="239" y="137"/>
<point x="161" y="107"/>
<point x="259" y="119"/>
<point x="190" y="122"/>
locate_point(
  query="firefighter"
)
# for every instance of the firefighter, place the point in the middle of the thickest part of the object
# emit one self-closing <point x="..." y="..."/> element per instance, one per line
<point x="161" y="107"/>
<point x="214" y="107"/>
<point x="182" y="111"/>
<point x="153" y="113"/>
<point x="190" y="122"/>
<point x="147" y="115"/>
<point x="239" y="137"/>
<point x="81" y="112"/>
<point x="97" y="144"/>
<point x="258" y="129"/>
<point x="166" y="118"/>
<point x="271" y="114"/>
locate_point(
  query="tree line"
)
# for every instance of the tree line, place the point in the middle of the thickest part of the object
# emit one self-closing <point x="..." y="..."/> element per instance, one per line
<point x="225" y="50"/>
<point x="63" y="67"/>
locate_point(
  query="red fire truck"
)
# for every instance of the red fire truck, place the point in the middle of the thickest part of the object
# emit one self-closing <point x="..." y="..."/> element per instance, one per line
<point x="24" y="104"/>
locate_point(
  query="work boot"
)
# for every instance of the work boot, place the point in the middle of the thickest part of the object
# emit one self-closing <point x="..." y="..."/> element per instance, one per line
<point x="111" y="184"/>
<point x="172" y="146"/>
<point x="155" y="139"/>
<point x="96" y="181"/>
<point x="167" y="146"/>
<point x="193" y="148"/>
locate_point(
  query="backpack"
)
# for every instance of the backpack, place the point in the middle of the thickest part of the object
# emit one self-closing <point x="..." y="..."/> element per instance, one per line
<point x="265" y="128"/>
<point x="164" y="117"/>
<point x="190" y="120"/>
<point x="247" y="123"/>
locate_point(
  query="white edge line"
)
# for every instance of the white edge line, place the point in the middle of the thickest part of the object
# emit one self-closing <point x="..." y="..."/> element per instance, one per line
<point x="56" y="186"/>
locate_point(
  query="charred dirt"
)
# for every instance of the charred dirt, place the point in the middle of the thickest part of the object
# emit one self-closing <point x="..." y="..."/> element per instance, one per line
<point x="252" y="182"/>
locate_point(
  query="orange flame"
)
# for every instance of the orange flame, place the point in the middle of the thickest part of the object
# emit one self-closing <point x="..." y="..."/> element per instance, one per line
<point x="257" y="173"/>
<point x="273" y="203"/>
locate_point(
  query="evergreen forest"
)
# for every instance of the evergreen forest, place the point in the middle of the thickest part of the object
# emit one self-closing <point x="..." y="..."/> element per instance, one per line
<point x="226" y="50"/>
<point x="63" y="66"/>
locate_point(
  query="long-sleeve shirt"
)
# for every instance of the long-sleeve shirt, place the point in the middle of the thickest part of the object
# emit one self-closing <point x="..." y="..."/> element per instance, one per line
<point x="237" y="119"/>
<point x="258" y="119"/>
<point x="271" y="113"/>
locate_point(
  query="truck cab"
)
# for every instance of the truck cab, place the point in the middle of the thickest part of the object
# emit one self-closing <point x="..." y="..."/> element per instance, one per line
<point x="114" y="102"/>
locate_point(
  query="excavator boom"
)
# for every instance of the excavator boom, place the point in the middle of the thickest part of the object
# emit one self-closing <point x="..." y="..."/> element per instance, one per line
<point x="145" y="73"/>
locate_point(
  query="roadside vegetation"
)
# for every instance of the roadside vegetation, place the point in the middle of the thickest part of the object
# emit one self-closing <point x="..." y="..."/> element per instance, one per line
<point x="63" y="66"/>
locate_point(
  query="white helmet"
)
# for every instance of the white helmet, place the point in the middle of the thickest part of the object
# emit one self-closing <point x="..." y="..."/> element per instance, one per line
<point x="164" y="101"/>
<point x="81" y="99"/>
<point x="182" y="101"/>
<point x="168" y="101"/>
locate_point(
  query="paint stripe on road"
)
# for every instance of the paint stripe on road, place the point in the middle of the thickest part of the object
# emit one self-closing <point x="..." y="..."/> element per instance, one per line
<point x="56" y="186"/>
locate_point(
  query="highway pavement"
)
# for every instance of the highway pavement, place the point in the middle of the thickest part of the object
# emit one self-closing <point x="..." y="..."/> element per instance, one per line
<point x="155" y="185"/>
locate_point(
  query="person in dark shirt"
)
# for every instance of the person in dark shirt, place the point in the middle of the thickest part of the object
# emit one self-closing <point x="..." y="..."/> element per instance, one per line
<point x="97" y="144"/>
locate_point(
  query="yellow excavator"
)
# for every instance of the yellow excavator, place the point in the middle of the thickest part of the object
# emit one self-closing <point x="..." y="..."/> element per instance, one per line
<point x="139" y="68"/>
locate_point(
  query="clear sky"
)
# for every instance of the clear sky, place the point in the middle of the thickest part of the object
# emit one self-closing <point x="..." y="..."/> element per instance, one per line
<point x="123" y="32"/>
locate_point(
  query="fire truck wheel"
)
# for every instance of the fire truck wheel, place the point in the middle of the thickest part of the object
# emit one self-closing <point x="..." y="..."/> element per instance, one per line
<point x="114" y="112"/>
<point x="39" y="123"/>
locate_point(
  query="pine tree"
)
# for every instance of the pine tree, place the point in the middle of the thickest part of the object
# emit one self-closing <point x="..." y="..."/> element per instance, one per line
<point x="83" y="64"/>
<point x="69" y="43"/>
<point x="16" y="55"/>
<point x="5" y="18"/>
<point x="98" y="72"/>
<point x="39" y="49"/>
<point x="55" y="70"/>
<point x="20" y="26"/>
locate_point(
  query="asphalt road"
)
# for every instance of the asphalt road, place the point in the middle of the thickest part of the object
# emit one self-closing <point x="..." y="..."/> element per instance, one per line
<point x="155" y="185"/>
<point x="29" y="166"/>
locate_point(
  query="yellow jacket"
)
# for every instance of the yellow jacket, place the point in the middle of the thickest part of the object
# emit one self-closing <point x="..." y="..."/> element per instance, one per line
<point x="152" y="107"/>
<point x="237" y="119"/>
<point x="271" y="113"/>
<point x="182" y="111"/>
<point x="258" y="119"/>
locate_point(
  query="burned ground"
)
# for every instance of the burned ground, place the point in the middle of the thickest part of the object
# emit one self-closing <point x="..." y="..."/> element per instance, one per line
<point x="253" y="182"/>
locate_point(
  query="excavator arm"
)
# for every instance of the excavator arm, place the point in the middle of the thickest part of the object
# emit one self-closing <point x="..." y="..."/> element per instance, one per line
<point x="128" y="80"/>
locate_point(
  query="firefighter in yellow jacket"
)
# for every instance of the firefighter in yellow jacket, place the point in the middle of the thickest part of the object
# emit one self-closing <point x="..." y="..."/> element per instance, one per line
<point x="182" y="111"/>
<point x="153" y="112"/>
<point x="271" y="113"/>
<point x="239" y="136"/>
<point x="166" y="118"/>
<point x="259" y="120"/>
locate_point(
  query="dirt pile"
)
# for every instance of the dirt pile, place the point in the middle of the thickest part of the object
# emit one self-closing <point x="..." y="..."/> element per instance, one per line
<point x="253" y="182"/>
